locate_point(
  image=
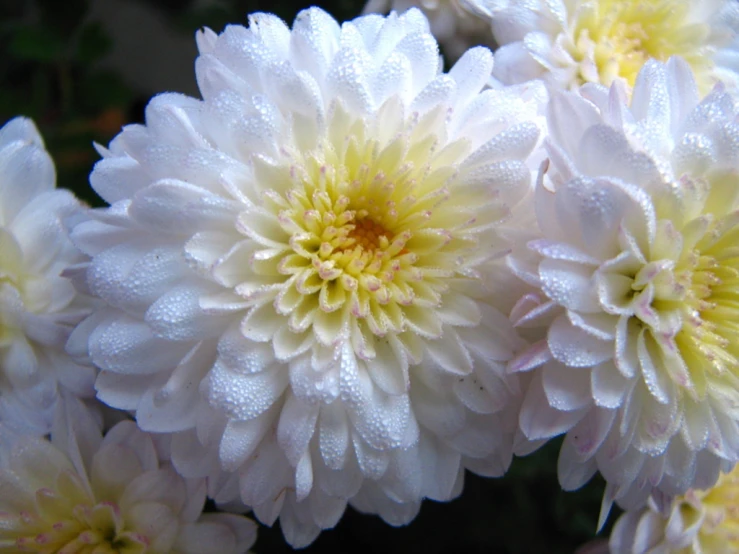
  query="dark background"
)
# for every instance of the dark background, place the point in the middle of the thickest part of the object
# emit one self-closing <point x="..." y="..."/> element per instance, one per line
<point x="82" y="69"/>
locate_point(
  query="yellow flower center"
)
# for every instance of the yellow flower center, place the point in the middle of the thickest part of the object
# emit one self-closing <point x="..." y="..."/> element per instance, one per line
<point x="694" y="275"/>
<point x="362" y="235"/>
<point x="367" y="235"/>
<point x="719" y="507"/>
<point x="709" y="338"/>
<point x="350" y="229"/>
<point x="620" y="36"/>
<point x="69" y="521"/>
<point x="344" y="242"/>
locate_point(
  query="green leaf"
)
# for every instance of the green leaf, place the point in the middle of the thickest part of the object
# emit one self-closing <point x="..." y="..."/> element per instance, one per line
<point x="37" y="44"/>
<point x="93" y="43"/>
<point x="101" y="90"/>
<point x="64" y="17"/>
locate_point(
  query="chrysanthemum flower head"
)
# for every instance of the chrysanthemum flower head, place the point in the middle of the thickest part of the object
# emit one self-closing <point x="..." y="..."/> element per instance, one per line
<point x="81" y="492"/>
<point x="598" y="41"/>
<point x="638" y="268"/>
<point x="698" y="522"/>
<point x="296" y="267"/>
<point x="38" y="306"/>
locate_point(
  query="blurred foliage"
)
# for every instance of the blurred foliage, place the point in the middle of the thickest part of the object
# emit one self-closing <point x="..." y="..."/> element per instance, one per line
<point x="48" y="66"/>
<point x="52" y="66"/>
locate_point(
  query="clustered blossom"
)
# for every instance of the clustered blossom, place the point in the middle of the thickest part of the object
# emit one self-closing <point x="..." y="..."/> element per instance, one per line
<point x="637" y="272"/>
<point x="81" y="492"/>
<point x="38" y="306"/>
<point x="295" y="268"/>
<point x="345" y="277"/>
<point x="699" y="522"/>
<point x="569" y="43"/>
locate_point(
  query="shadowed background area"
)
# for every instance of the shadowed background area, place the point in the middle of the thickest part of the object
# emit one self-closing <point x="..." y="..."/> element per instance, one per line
<point x="82" y="69"/>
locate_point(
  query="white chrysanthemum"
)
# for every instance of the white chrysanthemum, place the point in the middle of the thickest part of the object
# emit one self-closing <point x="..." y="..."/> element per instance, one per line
<point x="639" y="271"/>
<point x="38" y="307"/>
<point x="81" y="492"/>
<point x="456" y="24"/>
<point x="571" y="42"/>
<point x="296" y="268"/>
<point x="700" y="522"/>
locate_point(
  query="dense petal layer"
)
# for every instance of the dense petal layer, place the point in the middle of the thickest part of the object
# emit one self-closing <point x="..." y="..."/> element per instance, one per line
<point x="298" y="268"/>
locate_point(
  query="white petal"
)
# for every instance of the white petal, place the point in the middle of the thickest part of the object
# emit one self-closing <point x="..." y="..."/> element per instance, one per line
<point x="241" y="438"/>
<point x="178" y="316"/>
<point x="588" y="435"/>
<point x="264" y="479"/>
<point x="608" y="385"/>
<point x="569" y="284"/>
<point x="569" y="116"/>
<point x="386" y="371"/>
<point x="333" y="435"/>
<point x="574" y="347"/>
<point x="27" y="171"/>
<point x="303" y="477"/>
<point x="173" y="407"/>
<point x="205" y="538"/>
<point x="242" y="355"/>
<point x="326" y="510"/>
<point x="117" y="178"/>
<point x="440" y="468"/>
<point x="127" y="345"/>
<point x="539" y="420"/>
<point x="566" y="388"/>
<point x="573" y="471"/>
<point x="245" y="396"/>
<point x="450" y="354"/>
<point x="471" y="72"/>
<point x="296" y="428"/>
<point x="657" y="381"/>
<point x="373" y="463"/>
<point x="121" y="391"/>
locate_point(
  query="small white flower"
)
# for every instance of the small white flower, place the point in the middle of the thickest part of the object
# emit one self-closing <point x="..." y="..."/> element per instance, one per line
<point x="638" y="271"/>
<point x="568" y="43"/>
<point x="456" y="24"/>
<point x="297" y="268"/>
<point x="699" y="522"/>
<point x="38" y="307"/>
<point x="81" y="492"/>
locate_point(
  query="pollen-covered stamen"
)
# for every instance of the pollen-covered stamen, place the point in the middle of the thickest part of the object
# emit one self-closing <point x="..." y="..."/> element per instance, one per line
<point x="620" y="36"/>
<point x="718" y="510"/>
<point x="362" y="238"/>
<point x="701" y="289"/>
<point x="349" y="227"/>
<point x="360" y="251"/>
<point x="367" y="234"/>
<point x="713" y="301"/>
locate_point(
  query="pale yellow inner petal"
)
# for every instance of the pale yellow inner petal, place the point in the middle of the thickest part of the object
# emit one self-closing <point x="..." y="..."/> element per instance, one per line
<point x="364" y="235"/>
<point x="68" y="520"/>
<point x="619" y="36"/>
<point x="719" y="509"/>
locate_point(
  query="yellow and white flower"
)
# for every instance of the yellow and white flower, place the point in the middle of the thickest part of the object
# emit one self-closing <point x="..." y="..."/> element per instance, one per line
<point x="80" y="492"/>
<point x="698" y="522"/>
<point x="571" y="42"/>
<point x="638" y="268"/>
<point x="297" y="268"/>
<point x="38" y="306"/>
